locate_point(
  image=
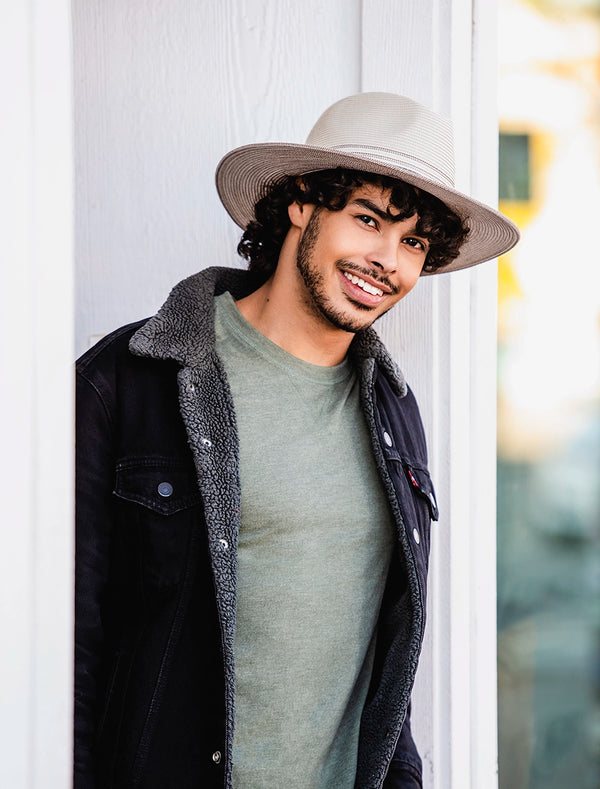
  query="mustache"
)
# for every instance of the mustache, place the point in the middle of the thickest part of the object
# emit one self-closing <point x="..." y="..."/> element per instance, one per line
<point x="360" y="271"/>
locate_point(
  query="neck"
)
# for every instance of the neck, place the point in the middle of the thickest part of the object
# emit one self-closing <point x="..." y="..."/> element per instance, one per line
<point x="279" y="310"/>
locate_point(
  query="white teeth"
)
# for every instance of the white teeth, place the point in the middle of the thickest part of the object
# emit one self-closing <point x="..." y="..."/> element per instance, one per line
<point x="362" y="284"/>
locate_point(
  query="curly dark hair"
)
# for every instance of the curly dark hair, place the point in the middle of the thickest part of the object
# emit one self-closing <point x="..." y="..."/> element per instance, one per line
<point x="263" y="237"/>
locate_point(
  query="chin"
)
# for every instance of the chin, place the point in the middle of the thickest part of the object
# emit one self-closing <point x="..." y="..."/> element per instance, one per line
<point x="350" y="321"/>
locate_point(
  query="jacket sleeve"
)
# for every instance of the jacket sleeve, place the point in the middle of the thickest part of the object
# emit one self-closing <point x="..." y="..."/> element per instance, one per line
<point x="94" y="485"/>
<point x="405" y="768"/>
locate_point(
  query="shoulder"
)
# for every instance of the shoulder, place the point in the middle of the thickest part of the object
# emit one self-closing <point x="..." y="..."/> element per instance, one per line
<point x="110" y="371"/>
<point x="108" y="350"/>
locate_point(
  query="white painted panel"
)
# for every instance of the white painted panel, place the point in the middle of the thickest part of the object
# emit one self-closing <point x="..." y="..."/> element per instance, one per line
<point x="402" y="48"/>
<point x="484" y="343"/>
<point x="17" y="459"/>
<point x="162" y="91"/>
<point x="36" y="416"/>
<point x="416" y="63"/>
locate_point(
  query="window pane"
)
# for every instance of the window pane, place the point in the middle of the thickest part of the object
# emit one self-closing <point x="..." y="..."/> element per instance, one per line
<point x="513" y="181"/>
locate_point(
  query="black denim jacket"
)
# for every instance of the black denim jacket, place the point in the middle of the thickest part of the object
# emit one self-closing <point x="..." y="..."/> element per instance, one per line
<point x="158" y="504"/>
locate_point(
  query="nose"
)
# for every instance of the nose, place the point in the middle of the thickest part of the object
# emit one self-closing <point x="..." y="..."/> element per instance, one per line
<point x="384" y="254"/>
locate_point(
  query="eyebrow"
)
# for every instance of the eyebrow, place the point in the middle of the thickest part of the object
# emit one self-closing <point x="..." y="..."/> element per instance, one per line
<point x="370" y="206"/>
<point x="385" y="216"/>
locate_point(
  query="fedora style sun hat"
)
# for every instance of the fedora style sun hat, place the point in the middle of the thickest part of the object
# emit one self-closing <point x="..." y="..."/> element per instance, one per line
<point x="379" y="133"/>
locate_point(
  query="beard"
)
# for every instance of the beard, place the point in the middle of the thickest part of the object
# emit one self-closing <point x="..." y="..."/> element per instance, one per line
<point x="316" y="299"/>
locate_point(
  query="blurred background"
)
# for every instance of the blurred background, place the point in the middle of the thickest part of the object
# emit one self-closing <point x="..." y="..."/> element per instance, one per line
<point x="549" y="397"/>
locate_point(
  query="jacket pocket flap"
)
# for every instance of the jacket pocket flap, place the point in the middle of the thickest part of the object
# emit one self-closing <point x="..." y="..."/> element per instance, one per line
<point x="158" y="484"/>
<point x="421" y="482"/>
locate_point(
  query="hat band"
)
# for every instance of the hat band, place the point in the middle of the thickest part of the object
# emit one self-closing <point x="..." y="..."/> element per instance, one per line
<point x="391" y="158"/>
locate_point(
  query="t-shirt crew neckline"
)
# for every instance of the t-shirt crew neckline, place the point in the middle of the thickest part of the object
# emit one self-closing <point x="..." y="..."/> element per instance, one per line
<point x="247" y="334"/>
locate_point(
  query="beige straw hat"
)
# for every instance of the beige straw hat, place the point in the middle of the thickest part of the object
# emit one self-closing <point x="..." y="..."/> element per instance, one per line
<point x="378" y="133"/>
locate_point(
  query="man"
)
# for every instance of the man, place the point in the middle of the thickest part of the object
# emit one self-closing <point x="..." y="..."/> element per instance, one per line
<point x="253" y="494"/>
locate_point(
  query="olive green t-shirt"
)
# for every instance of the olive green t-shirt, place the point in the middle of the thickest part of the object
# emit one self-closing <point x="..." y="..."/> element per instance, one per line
<point x="314" y="550"/>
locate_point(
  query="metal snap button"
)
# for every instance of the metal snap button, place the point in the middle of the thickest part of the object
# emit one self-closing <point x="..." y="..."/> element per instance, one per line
<point x="216" y="757"/>
<point x="206" y="442"/>
<point x="165" y="489"/>
<point x="387" y="438"/>
<point x="416" y="536"/>
<point x="224" y="543"/>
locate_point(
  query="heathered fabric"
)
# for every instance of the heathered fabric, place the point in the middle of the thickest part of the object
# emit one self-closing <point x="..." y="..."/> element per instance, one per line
<point x="314" y="550"/>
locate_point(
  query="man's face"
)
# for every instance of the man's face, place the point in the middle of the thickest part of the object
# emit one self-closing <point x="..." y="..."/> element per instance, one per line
<point x="357" y="263"/>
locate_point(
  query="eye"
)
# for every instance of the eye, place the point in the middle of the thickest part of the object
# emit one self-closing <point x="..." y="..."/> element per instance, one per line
<point x="370" y="221"/>
<point x="416" y="243"/>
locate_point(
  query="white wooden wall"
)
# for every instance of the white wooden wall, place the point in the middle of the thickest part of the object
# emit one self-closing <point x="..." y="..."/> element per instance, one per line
<point x="163" y="88"/>
<point x="36" y="350"/>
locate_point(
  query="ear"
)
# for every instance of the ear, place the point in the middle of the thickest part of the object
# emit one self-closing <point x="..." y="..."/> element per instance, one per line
<point x="300" y="213"/>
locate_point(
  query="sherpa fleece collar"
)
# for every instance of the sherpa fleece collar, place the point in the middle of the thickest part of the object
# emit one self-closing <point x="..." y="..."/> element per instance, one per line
<point x="183" y="329"/>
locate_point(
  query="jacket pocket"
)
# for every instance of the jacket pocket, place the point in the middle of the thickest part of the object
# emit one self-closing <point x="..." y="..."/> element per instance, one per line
<point x="159" y="506"/>
<point x="416" y="497"/>
<point x="421" y="483"/>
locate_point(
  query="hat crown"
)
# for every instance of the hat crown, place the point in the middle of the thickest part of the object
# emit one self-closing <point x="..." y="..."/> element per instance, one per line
<point x="391" y="129"/>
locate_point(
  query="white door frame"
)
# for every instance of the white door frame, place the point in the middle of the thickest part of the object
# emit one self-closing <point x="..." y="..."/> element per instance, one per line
<point x="36" y="342"/>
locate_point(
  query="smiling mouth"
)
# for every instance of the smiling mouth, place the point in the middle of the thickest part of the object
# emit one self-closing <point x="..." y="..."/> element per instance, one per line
<point x="366" y="286"/>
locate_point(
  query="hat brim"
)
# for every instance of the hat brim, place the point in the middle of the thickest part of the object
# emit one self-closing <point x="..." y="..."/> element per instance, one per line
<point x="245" y="174"/>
